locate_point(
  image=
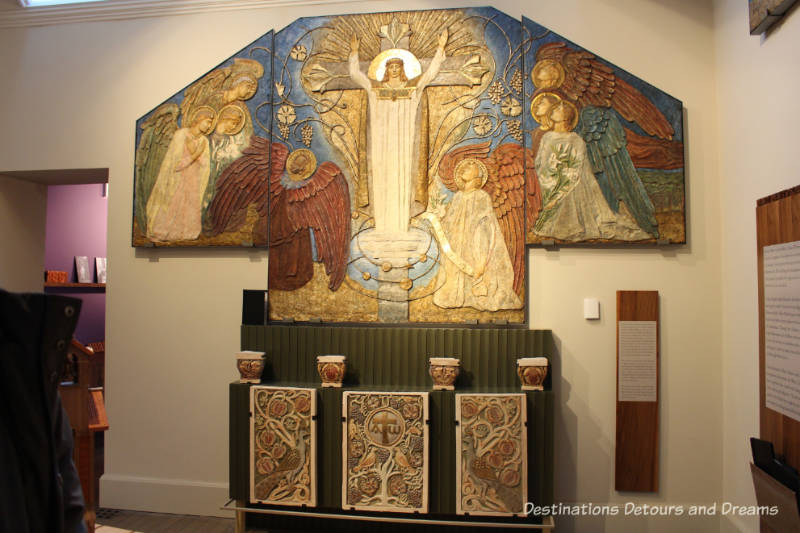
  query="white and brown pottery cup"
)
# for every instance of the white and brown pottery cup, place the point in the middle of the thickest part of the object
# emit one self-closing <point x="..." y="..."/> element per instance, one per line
<point x="531" y="372"/>
<point x="331" y="369"/>
<point x="444" y="371"/>
<point x="250" y="365"/>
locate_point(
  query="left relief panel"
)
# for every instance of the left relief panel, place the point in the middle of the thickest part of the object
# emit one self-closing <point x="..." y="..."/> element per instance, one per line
<point x="192" y="185"/>
<point x="283" y="446"/>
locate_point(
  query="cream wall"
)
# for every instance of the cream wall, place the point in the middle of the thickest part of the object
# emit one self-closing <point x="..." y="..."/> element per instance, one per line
<point x="758" y="82"/>
<point x="23" y="206"/>
<point x="173" y="316"/>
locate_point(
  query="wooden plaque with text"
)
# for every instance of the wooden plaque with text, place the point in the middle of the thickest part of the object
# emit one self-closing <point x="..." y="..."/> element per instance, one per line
<point x="777" y="218"/>
<point x="636" y="462"/>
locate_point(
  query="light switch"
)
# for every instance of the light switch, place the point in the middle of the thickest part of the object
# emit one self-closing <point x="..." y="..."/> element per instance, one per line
<point x="591" y="308"/>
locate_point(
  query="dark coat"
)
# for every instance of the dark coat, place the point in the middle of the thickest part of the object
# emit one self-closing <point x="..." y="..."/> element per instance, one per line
<point x="39" y="487"/>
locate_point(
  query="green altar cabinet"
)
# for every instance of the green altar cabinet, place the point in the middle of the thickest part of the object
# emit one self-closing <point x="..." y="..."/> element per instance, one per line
<point x="390" y="365"/>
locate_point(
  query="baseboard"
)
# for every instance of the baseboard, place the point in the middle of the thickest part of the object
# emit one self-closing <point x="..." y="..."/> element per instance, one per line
<point x="157" y="495"/>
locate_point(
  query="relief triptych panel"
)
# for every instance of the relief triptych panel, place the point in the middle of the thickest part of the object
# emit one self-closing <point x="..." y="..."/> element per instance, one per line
<point x="397" y="164"/>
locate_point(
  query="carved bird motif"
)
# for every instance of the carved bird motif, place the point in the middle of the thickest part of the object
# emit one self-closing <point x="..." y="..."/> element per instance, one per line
<point x="366" y="462"/>
<point x="401" y="459"/>
<point x="293" y="460"/>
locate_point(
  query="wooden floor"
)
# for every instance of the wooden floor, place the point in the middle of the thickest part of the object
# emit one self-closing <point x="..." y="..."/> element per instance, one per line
<point x="113" y="521"/>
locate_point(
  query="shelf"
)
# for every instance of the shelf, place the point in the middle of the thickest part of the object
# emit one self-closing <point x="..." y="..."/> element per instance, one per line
<point x="76" y="285"/>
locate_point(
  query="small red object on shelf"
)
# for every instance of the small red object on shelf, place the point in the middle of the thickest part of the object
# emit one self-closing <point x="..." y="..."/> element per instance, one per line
<point x="56" y="276"/>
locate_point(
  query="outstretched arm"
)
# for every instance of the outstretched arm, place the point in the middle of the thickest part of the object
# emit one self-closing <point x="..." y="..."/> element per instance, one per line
<point x="354" y="66"/>
<point x="436" y="64"/>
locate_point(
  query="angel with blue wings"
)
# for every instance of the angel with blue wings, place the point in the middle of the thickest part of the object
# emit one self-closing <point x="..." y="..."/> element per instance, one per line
<point x="590" y="186"/>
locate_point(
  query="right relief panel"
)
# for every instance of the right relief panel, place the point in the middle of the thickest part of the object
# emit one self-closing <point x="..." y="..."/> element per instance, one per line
<point x="607" y="149"/>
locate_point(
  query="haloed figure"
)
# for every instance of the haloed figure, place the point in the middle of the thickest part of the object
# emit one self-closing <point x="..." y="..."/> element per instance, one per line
<point x="479" y="273"/>
<point x="174" y="209"/>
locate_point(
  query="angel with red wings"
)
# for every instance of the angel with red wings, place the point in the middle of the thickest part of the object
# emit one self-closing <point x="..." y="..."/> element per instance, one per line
<point x="579" y="79"/>
<point x="309" y="210"/>
<point x="482" y="233"/>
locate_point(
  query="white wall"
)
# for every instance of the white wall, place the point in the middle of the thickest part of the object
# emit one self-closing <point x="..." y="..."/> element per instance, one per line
<point x="23" y="206"/>
<point x="758" y="82"/>
<point x="173" y="316"/>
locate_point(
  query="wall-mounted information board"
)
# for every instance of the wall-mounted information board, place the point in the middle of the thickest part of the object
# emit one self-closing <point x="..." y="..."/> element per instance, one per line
<point x="778" y="242"/>
<point x="636" y="465"/>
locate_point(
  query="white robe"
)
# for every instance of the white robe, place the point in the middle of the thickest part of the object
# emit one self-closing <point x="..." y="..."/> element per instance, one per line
<point x="392" y="129"/>
<point x="576" y="209"/>
<point x="475" y="236"/>
<point x="174" y="208"/>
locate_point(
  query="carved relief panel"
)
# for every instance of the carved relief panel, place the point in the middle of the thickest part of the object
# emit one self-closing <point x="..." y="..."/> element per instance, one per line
<point x="491" y="464"/>
<point x="385" y="451"/>
<point x="283" y="445"/>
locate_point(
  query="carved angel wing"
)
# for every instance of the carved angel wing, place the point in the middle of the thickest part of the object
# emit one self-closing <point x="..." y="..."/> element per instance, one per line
<point x="244" y="182"/>
<point x="201" y="92"/>
<point x="612" y="166"/>
<point x="157" y="132"/>
<point x="322" y="203"/>
<point x="506" y="186"/>
<point x="449" y="161"/>
<point x="589" y="82"/>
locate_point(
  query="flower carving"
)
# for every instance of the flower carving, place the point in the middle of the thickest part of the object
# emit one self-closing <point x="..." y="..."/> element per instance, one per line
<point x="301" y="404"/>
<point x="277" y="408"/>
<point x="510" y="477"/>
<point x="278" y="451"/>
<point x="369" y="484"/>
<point x="494" y="415"/>
<point x="286" y="114"/>
<point x="265" y="465"/>
<point x="495" y="460"/>
<point x="397" y="485"/>
<point x="299" y="52"/>
<point x="481" y="124"/>
<point x="506" y="447"/>
<point x="266" y="438"/>
<point x="411" y="411"/>
<point x="469" y="409"/>
<point x="511" y="107"/>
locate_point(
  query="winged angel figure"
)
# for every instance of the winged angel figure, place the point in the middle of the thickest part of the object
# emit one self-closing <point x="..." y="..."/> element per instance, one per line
<point x="304" y="200"/>
<point x="589" y="95"/>
<point x="483" y="229"/>
<point x="177" y="166"/>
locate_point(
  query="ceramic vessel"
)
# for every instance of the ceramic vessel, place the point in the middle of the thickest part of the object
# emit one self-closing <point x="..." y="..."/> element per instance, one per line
<point x="250" y="365"/>
<point x="331" y="369"/>
<point x="531" y="372"/>
<point x="444" y="371"/>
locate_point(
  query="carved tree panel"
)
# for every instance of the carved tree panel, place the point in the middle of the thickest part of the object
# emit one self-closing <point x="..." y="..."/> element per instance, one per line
<point x="385" y="451"/>
<point x="283" y="446"/>
<point x="491" y="468"/>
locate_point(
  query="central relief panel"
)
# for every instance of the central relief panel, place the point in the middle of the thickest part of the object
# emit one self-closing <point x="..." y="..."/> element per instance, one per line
<point x="385" y="451"/>
<point x="397" y="188"/>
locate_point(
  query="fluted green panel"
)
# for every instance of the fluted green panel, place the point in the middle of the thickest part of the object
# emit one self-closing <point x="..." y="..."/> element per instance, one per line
<point x="385" y="358"/>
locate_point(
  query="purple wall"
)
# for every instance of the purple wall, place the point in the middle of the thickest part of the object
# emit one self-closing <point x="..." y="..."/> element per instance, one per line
<point x="76" y="225"/>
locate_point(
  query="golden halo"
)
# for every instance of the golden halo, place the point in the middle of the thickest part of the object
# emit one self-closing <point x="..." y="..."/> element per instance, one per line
<point x="240" y="114"/>
<point x="411" y="64"/>
<point x="198" y="110"/>
<point x="463" y="163"/>
<point x="310" y="167"/>
<point x="543" y="120"/>
<point x="547" y="83"/>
